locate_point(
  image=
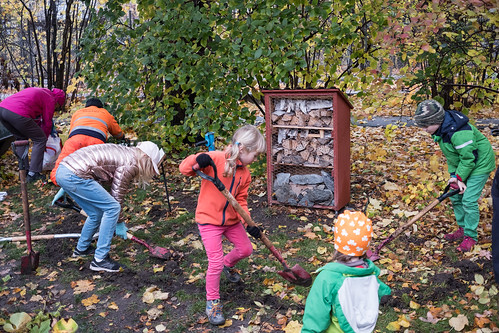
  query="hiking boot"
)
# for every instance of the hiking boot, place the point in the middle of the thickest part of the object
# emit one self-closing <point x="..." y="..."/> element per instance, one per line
<point x="231" y="274"/>
<point x="467" y="244"/>
<point x="36" y="176"/>
<point x="456" y="235"/>
<point x="214" y="312"/>
<point x="77" y="253"/>
<point x="106" y="265"/>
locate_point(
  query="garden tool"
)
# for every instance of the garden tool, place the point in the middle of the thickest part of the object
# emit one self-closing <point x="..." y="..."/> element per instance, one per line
<point x="155" y="251"/>
<point x="373" y="256"/>
<point x="209" y="141"/>
<point x="40" y="237"/>
<point x="30" y="262"/>
<point x="296" y="275"/>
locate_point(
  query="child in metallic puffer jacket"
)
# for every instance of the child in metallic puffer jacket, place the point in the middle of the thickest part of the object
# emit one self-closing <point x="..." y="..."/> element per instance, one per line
<point x="470" y="160"/>
<point x="82" y="174"/>
<point x="346" y="293"/>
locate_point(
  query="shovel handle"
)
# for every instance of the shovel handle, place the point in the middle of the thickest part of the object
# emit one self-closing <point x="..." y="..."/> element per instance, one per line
<point x="21" y="158"/>
<point x="447" y="194"/>
<point x="244" y="214"/>
<point x="406" y="225"/>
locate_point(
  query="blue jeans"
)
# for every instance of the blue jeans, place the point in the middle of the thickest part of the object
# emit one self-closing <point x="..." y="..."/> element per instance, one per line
<point x="102" y="209"/>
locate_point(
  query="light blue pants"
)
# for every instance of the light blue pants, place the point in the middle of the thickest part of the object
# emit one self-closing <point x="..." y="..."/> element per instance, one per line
<point x="102" y="209"/>
<point x="466" y="205"/>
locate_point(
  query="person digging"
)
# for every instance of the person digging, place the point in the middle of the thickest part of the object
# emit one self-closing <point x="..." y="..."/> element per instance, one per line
<point x="81" y="173"/>
<point x="470" y="160"/>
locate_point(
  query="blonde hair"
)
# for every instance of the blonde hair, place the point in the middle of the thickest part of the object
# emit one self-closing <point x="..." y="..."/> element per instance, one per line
<point x="251" y="140"/>
<point x="146" y="168"/>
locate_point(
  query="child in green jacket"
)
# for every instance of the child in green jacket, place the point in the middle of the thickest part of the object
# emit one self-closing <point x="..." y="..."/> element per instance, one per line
<point x="470" y="160"/>
<point x="345" y="295"/>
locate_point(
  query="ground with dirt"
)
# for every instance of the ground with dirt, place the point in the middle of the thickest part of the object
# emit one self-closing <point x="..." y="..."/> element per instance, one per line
<point x="154" y="295"/>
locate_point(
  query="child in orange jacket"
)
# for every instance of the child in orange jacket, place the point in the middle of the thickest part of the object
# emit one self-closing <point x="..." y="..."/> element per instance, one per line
<point x="217" y="218"/>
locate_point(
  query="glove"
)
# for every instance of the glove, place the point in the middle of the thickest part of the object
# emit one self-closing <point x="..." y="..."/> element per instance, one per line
<point x="204" y="160"/>
<point x="59" y="195"/>
<point x="121" y="230"/>
<point x="125" y="141"/>
<point x="254" y="231"/>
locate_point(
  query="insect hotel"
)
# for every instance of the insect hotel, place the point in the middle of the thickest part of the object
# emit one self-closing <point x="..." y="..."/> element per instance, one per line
<point x="308" y="148"/>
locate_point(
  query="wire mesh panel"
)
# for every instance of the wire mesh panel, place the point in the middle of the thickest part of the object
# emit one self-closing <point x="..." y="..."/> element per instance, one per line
<point x="304" y="165"/>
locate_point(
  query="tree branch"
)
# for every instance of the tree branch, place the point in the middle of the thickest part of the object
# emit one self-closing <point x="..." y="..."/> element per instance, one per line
<point x="472" y="86"/>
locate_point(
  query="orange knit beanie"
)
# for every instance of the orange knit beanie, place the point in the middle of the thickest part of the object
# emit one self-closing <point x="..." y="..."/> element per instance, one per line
<point x="352" y="233"/>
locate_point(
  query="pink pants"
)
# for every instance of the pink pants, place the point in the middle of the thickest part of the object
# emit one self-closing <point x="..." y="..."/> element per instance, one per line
<point x="212" y="240"/>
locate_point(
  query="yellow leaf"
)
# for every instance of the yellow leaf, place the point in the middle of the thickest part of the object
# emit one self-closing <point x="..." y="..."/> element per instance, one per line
<point x="91" y="300"/>
<point x="228" y="323"/>
<point x="434" y="163"/>
<point x="293" y="327"/>
<point x="65" y="326"/>
<point x="148" y="297"/>
<point x="113" y="306"/>
<point x="158" y="268"/>
<point x="393" y="326"/>
<point x="82" y="286"/>
<point x="414" y="305"/>
<point x="304" y="218"/>
<point x="321" y="250"/>
<point x="103" y="314"/>
<point x="404" y="322"/>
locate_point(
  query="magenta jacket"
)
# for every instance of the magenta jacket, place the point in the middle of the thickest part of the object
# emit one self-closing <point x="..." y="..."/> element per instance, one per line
<point x="35" y="103"/>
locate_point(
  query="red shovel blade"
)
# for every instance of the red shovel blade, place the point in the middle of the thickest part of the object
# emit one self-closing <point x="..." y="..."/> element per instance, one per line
<point x="373" y="256"/>
<point x="297" y="275"/>
<point x="157" y="251"/>
<point x="29" y="263"/>
<point x="167" y="254"/>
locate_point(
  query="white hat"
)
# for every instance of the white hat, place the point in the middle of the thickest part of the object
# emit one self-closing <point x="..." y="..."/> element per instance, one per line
<point x="152" y="150"/>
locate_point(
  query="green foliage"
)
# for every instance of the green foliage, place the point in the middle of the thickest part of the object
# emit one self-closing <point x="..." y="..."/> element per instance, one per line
<point x="183" y="67"/>
<point x="450" y="51"/>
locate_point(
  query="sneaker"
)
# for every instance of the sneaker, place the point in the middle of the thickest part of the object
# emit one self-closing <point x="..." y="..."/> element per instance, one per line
<point x="231" y="274"/>
<point x="107" y="265"/>
<point x="35" y="177"/>
<point x="77" y="253"/>
<point x="467" y="244"/>
<point x="214" y="312"/>
<point x="456" y="235"/>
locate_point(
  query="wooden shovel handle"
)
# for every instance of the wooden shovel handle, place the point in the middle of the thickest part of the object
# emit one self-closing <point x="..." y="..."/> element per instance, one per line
<point x="249" y="221"/>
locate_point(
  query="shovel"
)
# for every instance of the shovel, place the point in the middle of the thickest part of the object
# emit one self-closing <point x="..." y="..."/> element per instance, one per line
<point x="373" y="256"/>
<point x="30" y="262"/>
<point x="155" y="251"/>
<point x="41" y="237"/>
<point x="296" y="275"/>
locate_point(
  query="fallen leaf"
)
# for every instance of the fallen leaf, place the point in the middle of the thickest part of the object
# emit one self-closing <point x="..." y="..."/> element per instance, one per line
<point x="82" y="286"/>
<point x="65" y="326"/>
<point x="429" y="318"/>
<point x="113" y="306"/>
<point x="154" y="313"/>
<point x="17" y="322"/>
<point x="91" y="300"/>
<point x="228" y="323"/>
<point x="458" y="323"/>
<point x="293" y="327"/>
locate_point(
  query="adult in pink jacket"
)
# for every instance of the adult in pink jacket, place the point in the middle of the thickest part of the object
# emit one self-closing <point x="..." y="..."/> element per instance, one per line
<point x="28" y="115"/>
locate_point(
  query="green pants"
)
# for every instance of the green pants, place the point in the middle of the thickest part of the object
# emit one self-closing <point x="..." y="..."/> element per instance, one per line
<point x="466" y="205"/>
